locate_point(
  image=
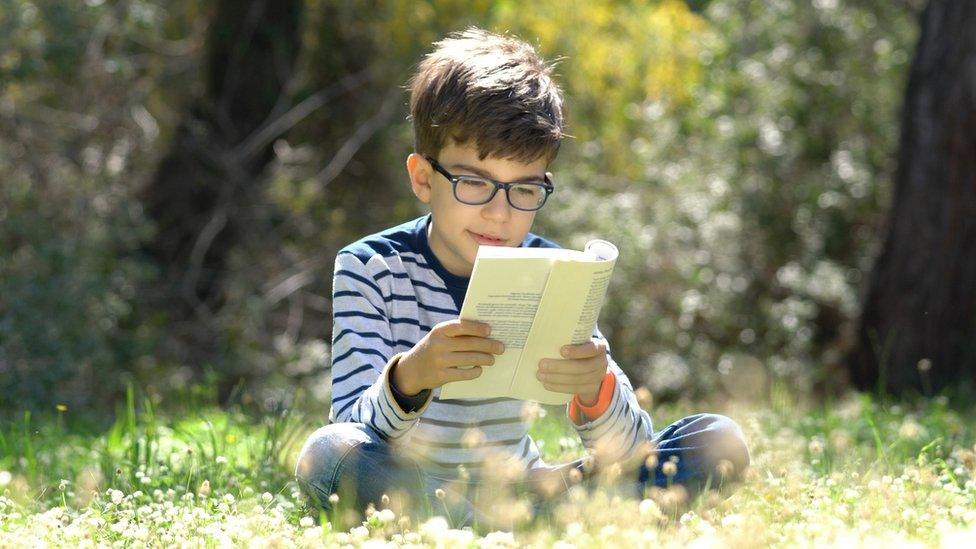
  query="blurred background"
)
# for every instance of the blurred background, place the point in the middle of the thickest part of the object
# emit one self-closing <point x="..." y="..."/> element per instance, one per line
<point x="176" y="177"/>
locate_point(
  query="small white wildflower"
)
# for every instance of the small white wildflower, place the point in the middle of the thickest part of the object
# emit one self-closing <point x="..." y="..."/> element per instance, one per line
<point x="229" y="498"/>
<point x="911" y="430"/>
<point x="267" y="497"/>
<point x="648" y="507"/>
<point x="733" y="521"/>
<point x="5" y="478"/>
<point x="815" y="447"/>
<point x="498" y="539"/>
<point x="669" y="469"/>
<point x="221" y="460"/>
<point x="434" y="527"/>
<point x="360" y="532"/>
<point x="312" y="535"/>
<point x="306" y="522"/>
<point x="574" y="529"/>
<point x="116" y="496"/>
<point x="385" y="516"/>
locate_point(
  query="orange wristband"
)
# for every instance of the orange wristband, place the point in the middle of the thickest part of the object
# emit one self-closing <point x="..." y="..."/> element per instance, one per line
<point x="579" y="413"/>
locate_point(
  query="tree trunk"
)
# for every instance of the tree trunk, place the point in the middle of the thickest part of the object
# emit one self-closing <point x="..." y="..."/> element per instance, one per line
<point x="213" y="168"/>
<point x="918" y="326"/>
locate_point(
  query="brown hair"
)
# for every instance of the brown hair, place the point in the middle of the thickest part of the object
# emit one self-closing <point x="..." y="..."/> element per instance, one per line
<point x="487" y="88"/>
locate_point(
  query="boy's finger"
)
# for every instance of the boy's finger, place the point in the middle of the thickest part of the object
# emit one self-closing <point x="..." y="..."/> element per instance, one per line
<point x="458" y="374"/>
<point x="471" y="358"/>
<point x="567" y="375"/>
<point x="461" y="327"/>
<point x="480" y="344"/>
<point x="583" y="350"/>
<point x="571" y="366"/>
<point x="568" y="388"/>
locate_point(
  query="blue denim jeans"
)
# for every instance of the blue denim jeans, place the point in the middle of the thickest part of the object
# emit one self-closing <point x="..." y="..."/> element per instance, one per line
<point x="353" y="462"/>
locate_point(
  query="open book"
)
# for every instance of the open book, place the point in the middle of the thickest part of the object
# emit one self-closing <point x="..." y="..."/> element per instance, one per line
<point x="536" y="300"/>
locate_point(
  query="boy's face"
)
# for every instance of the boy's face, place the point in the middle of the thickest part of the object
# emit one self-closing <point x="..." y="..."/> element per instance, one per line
<point x="457" y="229"/>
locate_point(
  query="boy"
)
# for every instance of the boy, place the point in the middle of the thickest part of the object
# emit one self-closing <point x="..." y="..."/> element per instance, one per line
<point x="487" y="121"/>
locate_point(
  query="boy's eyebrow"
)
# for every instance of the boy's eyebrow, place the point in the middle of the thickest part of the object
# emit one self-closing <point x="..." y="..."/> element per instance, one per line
<point x="483" y="173"/>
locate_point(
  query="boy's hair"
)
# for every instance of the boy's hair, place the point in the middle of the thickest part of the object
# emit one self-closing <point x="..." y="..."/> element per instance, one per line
<point x="490" y="89"/>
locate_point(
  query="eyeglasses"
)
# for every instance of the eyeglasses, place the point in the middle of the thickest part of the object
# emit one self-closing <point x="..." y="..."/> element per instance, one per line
<point x="474" y="190"/>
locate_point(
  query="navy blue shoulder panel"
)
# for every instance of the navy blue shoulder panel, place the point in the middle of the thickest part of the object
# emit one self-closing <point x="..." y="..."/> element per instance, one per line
<point x="395" y="240"/>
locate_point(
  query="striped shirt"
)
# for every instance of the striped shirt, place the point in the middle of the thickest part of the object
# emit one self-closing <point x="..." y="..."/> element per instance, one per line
<point x="389" y="291"/>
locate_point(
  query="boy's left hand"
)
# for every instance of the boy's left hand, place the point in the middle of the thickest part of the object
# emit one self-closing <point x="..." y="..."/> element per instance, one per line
<point x="580" y="373"/>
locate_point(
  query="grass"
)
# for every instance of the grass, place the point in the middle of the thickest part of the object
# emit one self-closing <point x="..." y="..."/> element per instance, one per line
<point x="857" y="470"/>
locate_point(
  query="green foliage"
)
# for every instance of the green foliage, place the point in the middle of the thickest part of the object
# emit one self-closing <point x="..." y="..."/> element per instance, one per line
<point x="76" y="139"/>
<point x="739" y="156"/>
<point x="760" y="202"/>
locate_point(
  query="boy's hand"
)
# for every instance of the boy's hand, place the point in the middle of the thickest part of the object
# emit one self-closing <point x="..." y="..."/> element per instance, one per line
<point x="434" y="360"/>
<point x="580" y="373"/>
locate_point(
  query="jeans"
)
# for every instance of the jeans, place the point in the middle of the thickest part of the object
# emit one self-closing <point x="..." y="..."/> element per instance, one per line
<point x="353" y="462"/>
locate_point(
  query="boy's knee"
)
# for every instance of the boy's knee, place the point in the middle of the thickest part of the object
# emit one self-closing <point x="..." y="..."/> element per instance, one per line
<point x="323" y="452"/>
<point x="726" y="445"/>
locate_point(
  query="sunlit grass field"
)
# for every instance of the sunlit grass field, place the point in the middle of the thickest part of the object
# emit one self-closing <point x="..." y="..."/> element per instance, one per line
<point x="856" y="470"/>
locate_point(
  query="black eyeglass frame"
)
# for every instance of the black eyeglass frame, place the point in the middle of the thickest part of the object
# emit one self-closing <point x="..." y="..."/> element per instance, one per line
<point x="547" y="186"/>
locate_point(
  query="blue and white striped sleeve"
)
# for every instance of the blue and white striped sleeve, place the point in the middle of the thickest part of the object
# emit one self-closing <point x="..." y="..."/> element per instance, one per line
<point x="620" y="431"/>
<point x="362" y="353"/>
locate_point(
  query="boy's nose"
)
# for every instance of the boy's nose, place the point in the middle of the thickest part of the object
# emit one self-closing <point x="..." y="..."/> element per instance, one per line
<point x="498" y="208"/>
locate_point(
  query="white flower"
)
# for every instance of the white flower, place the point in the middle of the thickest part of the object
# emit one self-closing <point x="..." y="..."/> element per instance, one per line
<point x="306" y="522"/>
<point x="267" y="497"/>
<point x="221" y="460"/>
<point x="498" y="539"/>
<point x="5" y="478"/>
<point x="385" y="516"/>
<point x="733" y="521"/>
<point x="360" y="532"/>
<point x="116" y="496"/>
<point x="648" y="507"/>
<point x="434" y="527"/>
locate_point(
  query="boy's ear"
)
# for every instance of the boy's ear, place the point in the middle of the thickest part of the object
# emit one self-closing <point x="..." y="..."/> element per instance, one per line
<point x="419" y="171"/>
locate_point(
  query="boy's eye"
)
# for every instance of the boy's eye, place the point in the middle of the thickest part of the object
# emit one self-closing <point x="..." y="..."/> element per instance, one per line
<point x="528" y="190"/>
<point x="473" y="183"/>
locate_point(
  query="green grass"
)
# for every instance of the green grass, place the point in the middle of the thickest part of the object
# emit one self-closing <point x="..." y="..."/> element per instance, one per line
<point x="855" y="470"/>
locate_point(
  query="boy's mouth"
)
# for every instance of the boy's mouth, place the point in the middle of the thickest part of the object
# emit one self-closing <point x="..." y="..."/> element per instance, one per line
<point x="486" y="240"/>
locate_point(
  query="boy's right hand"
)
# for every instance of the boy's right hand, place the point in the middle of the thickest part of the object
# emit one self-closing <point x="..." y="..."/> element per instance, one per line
<point x="436" y="358"/>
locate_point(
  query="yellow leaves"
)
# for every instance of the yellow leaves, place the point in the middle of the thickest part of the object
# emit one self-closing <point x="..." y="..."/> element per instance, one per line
<point x="616" y="54"/>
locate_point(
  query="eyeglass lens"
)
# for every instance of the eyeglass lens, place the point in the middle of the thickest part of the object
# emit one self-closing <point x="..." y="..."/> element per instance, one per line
<point x="478" y="191"/>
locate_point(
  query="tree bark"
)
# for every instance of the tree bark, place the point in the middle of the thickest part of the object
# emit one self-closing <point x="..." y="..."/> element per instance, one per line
<point x="212" y="170"/>
<point x="918" y="326"/>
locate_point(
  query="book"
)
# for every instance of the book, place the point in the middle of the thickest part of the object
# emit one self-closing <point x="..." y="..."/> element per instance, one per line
<point x="536" y="300"/>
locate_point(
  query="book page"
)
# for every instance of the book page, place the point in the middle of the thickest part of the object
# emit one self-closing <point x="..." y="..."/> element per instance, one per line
<point x="536" y="300"/>
<point x="566" y="314"/>
<point x="505" y="293"/>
